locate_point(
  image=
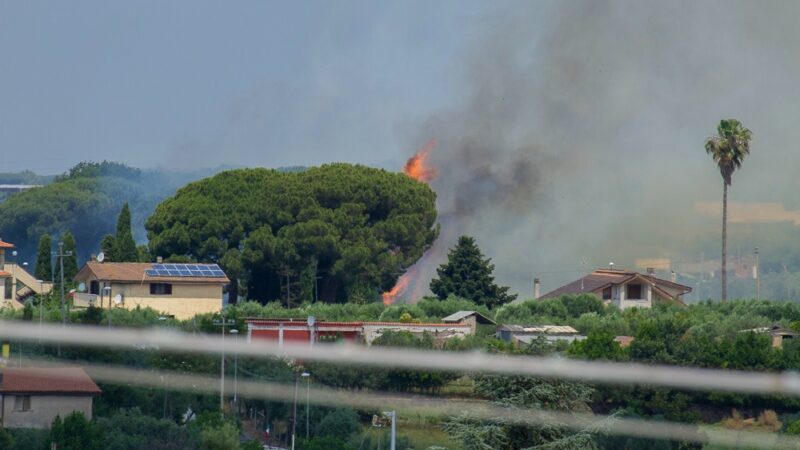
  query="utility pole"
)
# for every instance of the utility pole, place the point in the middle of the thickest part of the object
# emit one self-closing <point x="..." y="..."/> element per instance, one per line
<point x="757" y="273"/>
<point x="41" y="307"/>
<point x="294" y="413"/>
<point x="235" y="332"/>
<point x="222" y="322"/>
<point x="61" y="256"/>
<point x="393" y="416"/>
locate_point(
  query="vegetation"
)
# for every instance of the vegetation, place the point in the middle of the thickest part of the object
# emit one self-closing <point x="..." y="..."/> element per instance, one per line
<point x="353" y="227"/>
<point x="123" y="246"/>
<point x="467" y="274"/>
<point x="44" y="261"/>
<point x="85" y="201"/>
<point x="728" y="148"/>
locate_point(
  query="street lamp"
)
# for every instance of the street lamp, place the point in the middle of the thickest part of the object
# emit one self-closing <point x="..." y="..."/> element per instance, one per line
<point x="235" y="333"/>
<point x="307" y="376"/>
<point x="41" y="307"/>
<point x="107" y="293"/>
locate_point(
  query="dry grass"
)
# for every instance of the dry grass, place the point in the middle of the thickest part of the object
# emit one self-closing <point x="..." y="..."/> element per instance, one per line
<point x="767" y="421"/>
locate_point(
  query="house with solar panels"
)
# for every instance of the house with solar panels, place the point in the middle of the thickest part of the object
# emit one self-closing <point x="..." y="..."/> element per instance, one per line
<point x="178" y="290"/>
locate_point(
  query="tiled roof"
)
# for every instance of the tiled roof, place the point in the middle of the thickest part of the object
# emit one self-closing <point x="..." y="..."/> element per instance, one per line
<point x="605" y="277"/>
<point x="323" y="324"/>
<point x="4" y="274"/>
<point x="66" y="380"/>
<point x="135" y="273"/>
<point x="5" y="244"/>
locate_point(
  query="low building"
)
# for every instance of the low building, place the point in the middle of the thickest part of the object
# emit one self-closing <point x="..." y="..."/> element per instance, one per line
<point x="178" y="290"/>
<point x="471" y="318"/>
<point x="33" y="397"/>
<point x="624" y="341"/>
<point x="777" y="332"/>
<point x="625" y="288"/>
<point x="311" y="331"/>
<point x="524" y="334"/>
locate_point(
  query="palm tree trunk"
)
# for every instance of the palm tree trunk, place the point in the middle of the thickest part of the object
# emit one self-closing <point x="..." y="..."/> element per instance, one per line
<point x="724" y="241"/>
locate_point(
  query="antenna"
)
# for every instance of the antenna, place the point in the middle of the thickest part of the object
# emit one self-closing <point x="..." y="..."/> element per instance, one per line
<point x="101" y="256"/>
<point x="82" y="287"/>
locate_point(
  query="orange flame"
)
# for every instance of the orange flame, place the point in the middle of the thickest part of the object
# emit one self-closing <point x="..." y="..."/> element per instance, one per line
<point x="390" y="297"/>
<point x="417" y="166"/>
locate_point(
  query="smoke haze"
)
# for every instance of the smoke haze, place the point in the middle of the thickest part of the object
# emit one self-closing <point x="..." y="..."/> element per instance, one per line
<point x="581" y="142"/>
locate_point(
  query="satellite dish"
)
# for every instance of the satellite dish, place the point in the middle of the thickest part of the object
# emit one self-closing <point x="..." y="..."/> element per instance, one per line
<point x="82" y="287"/>
<point x="311" y="321"/>
<point x="101" y="256"/>
<point x="118" y="299"/>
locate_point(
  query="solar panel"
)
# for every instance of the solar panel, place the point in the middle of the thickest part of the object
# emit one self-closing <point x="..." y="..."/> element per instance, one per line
<point x="185" y="270"/>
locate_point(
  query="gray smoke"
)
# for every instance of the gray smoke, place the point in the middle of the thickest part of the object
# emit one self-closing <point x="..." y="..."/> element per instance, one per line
<point x="581" y="142"/>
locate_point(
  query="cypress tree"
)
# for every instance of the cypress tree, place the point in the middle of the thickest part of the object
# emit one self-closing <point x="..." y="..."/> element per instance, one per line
<point x="467" y="274"/>
<point x="71" y="261"/>
<point x="124" y="245"/>
<point x="107" y="247"/>
<point x="44" y="261"/>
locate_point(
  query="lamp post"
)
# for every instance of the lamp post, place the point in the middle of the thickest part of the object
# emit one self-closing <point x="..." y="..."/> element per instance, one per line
<point x="235" y="333"/>
<point x="107" y="293"/>
<point x="41" y="307"/>
<point x="294" y="409"/>
<point x="307" y="376"/>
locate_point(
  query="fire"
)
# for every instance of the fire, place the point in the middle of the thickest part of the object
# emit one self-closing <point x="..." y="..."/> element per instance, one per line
<point x="399" y="288"/>
<point x="418" y="168"/>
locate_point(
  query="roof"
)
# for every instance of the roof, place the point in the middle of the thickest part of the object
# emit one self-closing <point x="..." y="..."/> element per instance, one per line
<point x="63" y="380"/>
<point x="324" y="324"/>
<point x="4" y="274"/>
<point x="5" y="244"/>
<point x="539" y="329"/>
<point x="128" y="272"/>
<point x="461" y="315"/>
<point x="602" y="278"/>
<point x="773" y="330"/>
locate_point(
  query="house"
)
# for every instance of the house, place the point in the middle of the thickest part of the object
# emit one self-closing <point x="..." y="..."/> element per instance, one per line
<point x="624" y="341"/>
<point x="777" y="332"/>
<point x="311" y="331"/>
<point x="523" y="335"/>
<point x="471" y="318"/>
<point x="33" y="397"/>
<point x="625" y="288"/>
<point x="179" y="290"/>
<point x="16" y="284"/>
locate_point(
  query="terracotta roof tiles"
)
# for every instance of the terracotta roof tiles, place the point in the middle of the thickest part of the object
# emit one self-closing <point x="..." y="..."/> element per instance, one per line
<point x="66" y="380"/>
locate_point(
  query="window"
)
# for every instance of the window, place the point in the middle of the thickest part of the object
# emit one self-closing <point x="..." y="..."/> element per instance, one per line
<point x="94" y="287"/>
<point x="634" y="292"/>
<point x="22" y="403"/>
<point x="160" y="289"/>
<point x="607" y="293"/>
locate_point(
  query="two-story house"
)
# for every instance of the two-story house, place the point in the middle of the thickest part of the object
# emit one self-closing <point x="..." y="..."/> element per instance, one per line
<point x="625" y="288"/>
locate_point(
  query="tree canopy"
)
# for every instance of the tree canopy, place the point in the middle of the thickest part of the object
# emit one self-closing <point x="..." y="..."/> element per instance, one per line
<point x="44" y="261"/>
<point x="350" y="228"/>
<point x="124" y="247"/>
<point x="467" y="274"/>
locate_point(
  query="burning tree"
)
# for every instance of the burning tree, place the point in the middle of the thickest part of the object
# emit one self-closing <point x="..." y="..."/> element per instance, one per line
<point x="467" y="274"/>
<point x="339" y="232"/>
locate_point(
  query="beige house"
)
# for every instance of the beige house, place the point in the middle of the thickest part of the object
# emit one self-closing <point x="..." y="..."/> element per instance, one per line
<point x="16" y="284"/>
<point x="178" y="290"/>
<point x="625" y="288"/>
<point x="33" y="397"/>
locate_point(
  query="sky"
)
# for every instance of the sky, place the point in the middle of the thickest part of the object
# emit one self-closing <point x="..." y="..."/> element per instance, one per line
<point x="569" y="134"/>
<point x="194" y="84"/>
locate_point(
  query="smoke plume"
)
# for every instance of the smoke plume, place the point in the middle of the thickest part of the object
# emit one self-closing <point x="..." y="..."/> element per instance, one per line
<point x="581" y="142"/>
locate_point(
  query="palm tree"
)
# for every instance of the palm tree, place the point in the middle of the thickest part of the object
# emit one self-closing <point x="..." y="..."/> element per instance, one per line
<point x="728" y="148"/>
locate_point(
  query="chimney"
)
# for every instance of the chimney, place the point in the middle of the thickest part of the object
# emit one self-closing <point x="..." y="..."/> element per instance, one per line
<point x="94" y="257"/>
<point x="651" y="271"/>
<point x="159" y="259"/>
<point x="673" y="276"/>
<point x="537" y="289"/>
